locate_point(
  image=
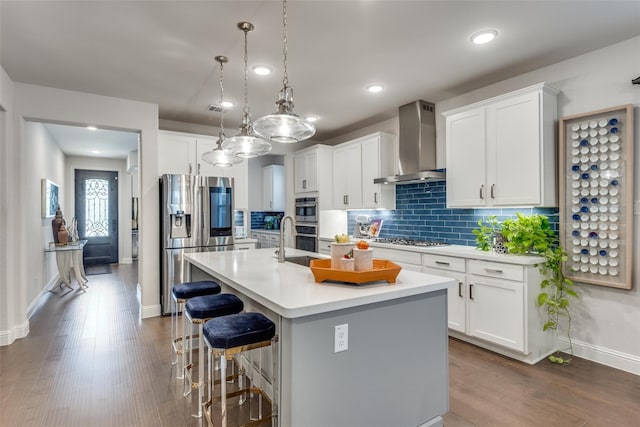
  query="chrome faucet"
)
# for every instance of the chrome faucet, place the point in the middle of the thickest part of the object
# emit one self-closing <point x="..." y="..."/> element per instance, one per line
<point x="280" y="250"/>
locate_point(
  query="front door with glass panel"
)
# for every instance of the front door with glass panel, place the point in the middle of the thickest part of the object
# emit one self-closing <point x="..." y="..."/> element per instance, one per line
<point x="96" y="194"/>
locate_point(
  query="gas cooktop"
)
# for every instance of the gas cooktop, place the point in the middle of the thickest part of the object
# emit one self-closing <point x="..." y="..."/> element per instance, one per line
<point x="410" y="242"/>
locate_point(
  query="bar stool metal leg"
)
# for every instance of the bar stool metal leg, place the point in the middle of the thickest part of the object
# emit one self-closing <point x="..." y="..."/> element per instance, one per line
<point x="231" y="336"/>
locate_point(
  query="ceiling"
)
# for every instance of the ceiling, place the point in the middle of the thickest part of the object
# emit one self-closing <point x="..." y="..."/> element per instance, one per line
<point x="162" y="51"/>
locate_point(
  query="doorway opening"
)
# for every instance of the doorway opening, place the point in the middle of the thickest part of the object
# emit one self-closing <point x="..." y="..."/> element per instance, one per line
<point x="96" y="210"/>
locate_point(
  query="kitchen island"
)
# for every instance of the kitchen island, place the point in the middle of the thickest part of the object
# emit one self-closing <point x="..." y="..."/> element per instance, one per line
<point x="394" y="371"/>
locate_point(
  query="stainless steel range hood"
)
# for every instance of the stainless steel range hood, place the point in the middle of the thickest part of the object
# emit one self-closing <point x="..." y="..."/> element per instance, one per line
<point x="416" y="145"/>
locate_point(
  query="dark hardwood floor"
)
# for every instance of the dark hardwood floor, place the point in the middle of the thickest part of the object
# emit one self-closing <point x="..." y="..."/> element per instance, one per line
<point x="91" y="361"/>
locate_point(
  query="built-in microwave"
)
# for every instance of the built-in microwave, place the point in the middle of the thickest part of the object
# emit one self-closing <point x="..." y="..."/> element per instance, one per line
<point x="307" y="209"/>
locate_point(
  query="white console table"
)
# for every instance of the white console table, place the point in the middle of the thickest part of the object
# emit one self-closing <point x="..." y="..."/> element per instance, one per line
<point x="67" y="257"/>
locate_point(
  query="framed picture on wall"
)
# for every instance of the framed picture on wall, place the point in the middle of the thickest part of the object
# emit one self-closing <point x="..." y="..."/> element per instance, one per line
<point x="50" y="198"/>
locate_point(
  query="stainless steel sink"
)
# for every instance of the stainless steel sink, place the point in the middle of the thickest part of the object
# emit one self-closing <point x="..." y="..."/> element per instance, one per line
<point x="303" y="260"/>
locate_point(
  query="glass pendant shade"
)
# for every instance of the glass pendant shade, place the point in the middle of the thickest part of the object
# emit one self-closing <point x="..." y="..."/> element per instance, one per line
<point x="220" y="157"/>
<point x="284" y="126"/>
<point x="246" y="144"/>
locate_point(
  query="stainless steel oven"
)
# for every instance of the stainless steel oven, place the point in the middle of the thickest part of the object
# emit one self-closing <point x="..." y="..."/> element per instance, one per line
<point x="307" y="209"/>
<point x="307" y="237"/>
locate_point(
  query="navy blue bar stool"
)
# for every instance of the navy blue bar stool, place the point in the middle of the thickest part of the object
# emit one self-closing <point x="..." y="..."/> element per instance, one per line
<point x="198" y="311"/>
<point x="230" y="336"/>
<point x="180" y="294"/>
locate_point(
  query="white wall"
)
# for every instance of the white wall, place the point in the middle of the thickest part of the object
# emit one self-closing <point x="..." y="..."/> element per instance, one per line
<point x="46" y="160"/>
<point x="124" y="196"/>
<point x="13" y="323"/>
<point x="37" y="103"/>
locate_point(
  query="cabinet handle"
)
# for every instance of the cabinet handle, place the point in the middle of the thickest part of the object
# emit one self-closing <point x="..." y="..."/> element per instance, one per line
<point x="481" y="192"/>
<point x="375" y="197"/>
<point x="190" y="168"/>
<point x="344" y="199"/>
<point x="347" y="196"/>
<point x="493" y="186"/>
<point x="304" y="183"/>
<point x="270" y="204"/>
<point x="198" y="169"/>
<point x="493" y="270"/>
<point x="470" y="290"/>
<point x="460" y="289"/>
<point x="442" y="263"/>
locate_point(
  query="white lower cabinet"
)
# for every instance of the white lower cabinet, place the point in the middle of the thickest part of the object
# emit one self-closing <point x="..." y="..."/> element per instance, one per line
<point x="406" y="259"/>
<point x="495" y="306"/>
<point x="324" y="245"/>
<point x="266" y="239"/>
<point x="456" y="296"/>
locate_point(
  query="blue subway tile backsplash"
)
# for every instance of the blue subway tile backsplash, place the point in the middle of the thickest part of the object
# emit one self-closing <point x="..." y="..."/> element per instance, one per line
<point x="258" y="219"/>
<point x="421" y="213"/>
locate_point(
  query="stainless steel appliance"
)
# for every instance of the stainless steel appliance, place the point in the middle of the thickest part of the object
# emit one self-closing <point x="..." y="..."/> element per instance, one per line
<point x="196" y="215"/>
<point x="307" y="209"/>
<point x="307" y="224"/>
<point x="361" y="229"/>
<point x="416" y="145"/>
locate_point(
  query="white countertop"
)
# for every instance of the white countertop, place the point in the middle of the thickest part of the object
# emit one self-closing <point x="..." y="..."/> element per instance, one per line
<point x="290" y="289"/>
<point x="264" y="230"/>
<point x="244" y="240"/>
<point x="460" y="251"/>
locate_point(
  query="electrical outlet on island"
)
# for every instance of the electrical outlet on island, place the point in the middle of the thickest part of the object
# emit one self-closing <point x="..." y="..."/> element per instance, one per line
<point x="341" y="340"/>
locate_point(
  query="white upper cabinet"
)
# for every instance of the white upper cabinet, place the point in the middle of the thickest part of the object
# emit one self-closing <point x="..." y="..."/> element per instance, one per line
<point x="356" y="164"/>
<point x="312" y="173"/>
<point x="176" y="153"/>
<point x="347" y="177"/>
<point x="378" y="160"/>
<point x="181" y="153"/>
<point x="501" y="152"/>
<point x="273" y="188"/>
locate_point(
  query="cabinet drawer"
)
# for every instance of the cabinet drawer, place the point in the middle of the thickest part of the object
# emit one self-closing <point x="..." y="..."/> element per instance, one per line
<point x="398" y="255"/>
<point x="497" y="269"/>
<point x="443" y="262"/>
<point x="324" y="245"/>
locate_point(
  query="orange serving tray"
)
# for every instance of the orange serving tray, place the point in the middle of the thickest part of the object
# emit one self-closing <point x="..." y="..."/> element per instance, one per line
<point x="382" y="270"/>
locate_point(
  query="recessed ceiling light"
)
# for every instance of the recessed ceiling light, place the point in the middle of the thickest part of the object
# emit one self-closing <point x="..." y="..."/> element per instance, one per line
<point x="311" y="119"/>
<point x="96" y="151"/>
<point x="92" y="128"/>
<point x="375" y="88"/>
<point x="262" y="70"/>
<point x="484" y="36"/>
<point x="226" y="104"/>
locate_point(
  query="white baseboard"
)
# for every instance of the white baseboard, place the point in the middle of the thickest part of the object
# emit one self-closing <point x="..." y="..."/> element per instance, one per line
<point x="39" y="300"/>
<point x="147" y="311"/>
<point x="127" y="260"/>
<point x="615" y="359"/>
<point x="19" y="331"/>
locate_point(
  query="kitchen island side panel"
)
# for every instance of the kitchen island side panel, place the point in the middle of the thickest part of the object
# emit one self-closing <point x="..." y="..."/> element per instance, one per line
<point x="394" y="373"/>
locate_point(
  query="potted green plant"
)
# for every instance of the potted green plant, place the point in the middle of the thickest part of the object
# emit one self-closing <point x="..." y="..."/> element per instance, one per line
<point x="486" y="234"/>
<point x="528" y="234"/>
<point x="556" y="289"/>
<point x="532" y="234"/>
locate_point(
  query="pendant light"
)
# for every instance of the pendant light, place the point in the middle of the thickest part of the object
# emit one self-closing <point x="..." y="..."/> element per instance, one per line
<point x="284" y="126"/>
<point x="218" y="156"/>
<point x="246" y="144"/>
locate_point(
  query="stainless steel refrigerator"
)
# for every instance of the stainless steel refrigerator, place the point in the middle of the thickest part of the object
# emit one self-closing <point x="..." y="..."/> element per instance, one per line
<point x="196" y="215"/>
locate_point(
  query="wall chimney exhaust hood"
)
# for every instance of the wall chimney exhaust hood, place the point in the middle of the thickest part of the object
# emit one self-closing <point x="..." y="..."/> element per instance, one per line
<point x="416" y="145"/>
